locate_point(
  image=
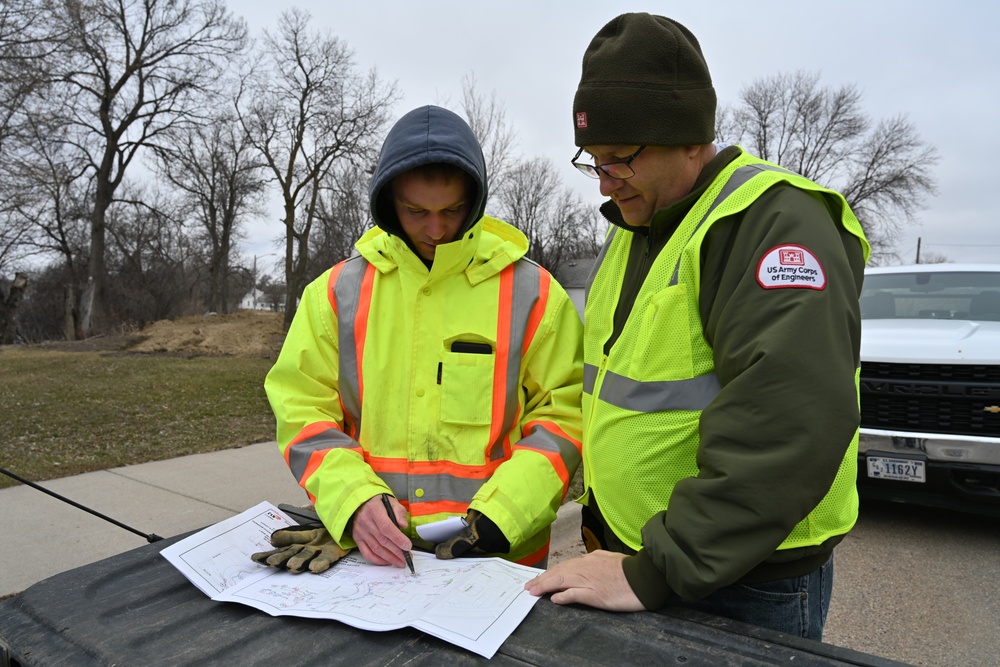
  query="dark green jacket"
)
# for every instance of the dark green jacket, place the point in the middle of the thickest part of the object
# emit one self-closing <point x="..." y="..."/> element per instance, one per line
<point x="773" y="439"/>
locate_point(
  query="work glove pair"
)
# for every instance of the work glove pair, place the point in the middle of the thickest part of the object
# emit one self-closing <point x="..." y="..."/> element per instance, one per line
<point x="311" y="547"/>
<point x="300" y="547"/>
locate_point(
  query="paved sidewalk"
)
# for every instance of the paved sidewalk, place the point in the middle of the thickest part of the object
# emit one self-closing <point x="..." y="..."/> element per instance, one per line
<point x="164" y="498"/>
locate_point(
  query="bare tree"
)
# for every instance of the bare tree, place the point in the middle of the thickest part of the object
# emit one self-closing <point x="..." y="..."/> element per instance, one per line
<point x="15" y="227"/>
<point x="27" y="46"/>
<point x="305" y="108"/>
<point x="889" y="183"/>
<point x="884" y="171"/>
<point x="525" y="201"/>
<point x="529" y="193"/>
<point x="934" y="258"/>
<point x="150" y="255"/>
<point x="558" y="224"/>
<point x="49" y="203"/>
<point x="13" y="230"/>
<point x="576" y="230"/>
<point x="221" y="179"/>
<point x="342" y="217"/>
<point x="134" y="69"/>
<point x="488" y="120"/>
<point x="8" y="308"/>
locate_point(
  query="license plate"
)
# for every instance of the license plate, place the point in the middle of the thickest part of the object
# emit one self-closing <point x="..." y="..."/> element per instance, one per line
<point x="904" y="470"/>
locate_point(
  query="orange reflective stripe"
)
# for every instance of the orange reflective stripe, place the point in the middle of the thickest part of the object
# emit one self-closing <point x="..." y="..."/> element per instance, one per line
<point x="558" y="465"/>
<point x="351" y="294"/>
<point x="361" y="327"/>
<point x="311" y="430"/>
<point x="531" y="560"/>
<point x="405" y="466"/>
<point x="544" y="282"/>
<point x="331" y="281"/>
<point x="504" y="300"/>
<point x="555" y="430"/>
<point x="437" y="507"/>
<point x="557" y="449"/>
<point x="521" y="306"/>
<point x="306" y="451"/>
<point x="315" y="461"/>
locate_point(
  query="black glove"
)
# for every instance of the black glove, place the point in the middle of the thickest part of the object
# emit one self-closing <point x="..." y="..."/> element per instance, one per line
<point x="480" y="535"/>
<point x="309" y="545"/>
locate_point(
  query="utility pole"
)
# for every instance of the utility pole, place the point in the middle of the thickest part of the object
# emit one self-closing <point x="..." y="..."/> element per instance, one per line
<point x="918" y="250"/>
<point x="253" y="287"/>
<point x="267" y="254"/>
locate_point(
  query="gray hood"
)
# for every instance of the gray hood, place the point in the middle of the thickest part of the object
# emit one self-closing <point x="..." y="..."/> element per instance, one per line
<point x="426" y="135"/>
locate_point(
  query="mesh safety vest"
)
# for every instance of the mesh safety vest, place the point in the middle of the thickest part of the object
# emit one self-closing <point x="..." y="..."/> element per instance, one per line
<point x="643" y="401"/>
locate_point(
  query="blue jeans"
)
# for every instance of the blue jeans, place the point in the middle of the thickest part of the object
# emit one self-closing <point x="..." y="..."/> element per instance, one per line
<point x="795" y="606"/>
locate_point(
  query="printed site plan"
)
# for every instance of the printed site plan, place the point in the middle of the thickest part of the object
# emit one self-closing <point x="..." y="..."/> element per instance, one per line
<point x="474" y="603"/>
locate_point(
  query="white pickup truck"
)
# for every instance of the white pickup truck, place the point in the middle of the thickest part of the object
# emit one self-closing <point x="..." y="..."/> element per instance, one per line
<point x="930" y="386"/>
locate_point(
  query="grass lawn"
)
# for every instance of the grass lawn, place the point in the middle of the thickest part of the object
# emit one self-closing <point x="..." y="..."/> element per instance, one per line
<point x="64" y="413"/>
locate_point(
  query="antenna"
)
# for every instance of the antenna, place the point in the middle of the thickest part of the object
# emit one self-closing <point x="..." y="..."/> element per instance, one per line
<point x="152" y="537"/>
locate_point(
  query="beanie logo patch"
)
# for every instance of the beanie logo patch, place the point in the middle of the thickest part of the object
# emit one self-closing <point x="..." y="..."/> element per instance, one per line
<point x="581" y="120"/>
<point x="790" y="266"/>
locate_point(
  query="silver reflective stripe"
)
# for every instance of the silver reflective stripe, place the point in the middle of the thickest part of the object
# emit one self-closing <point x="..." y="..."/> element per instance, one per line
<point x="331" y="438"/>
<point x="546" y="441"/>
<point x="347" y="291"/>
<point x="589" y="378"/>
<point x="628" y="394"/>
<point x="737" y="180"/>
<point x="435" y="487"/>
<point x="524" y="296"/>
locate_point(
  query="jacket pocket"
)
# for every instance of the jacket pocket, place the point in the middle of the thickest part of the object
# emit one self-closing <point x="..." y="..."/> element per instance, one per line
<point x="467" y="388"/>
<point x="663" y="342"/>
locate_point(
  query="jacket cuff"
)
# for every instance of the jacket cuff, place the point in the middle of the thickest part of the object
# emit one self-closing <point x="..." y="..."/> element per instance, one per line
<point x="647" y="581"/>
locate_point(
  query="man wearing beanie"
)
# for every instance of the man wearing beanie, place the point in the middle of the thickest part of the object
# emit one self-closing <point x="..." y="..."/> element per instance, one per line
<point x="721" y="344"/>
<point x="435" y="375"/>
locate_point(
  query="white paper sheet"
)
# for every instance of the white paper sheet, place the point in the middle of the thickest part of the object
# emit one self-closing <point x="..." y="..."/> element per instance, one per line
<point x="472" y="603"/>
<point x="441" y="531"/>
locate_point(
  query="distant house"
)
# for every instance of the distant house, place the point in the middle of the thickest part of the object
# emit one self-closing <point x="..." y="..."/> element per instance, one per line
<point x="257" y="299"/>
<point x="572" y="274"/>
<point x="254" y="300"/>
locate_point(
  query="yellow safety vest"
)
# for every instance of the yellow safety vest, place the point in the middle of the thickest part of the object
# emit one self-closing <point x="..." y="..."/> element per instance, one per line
<point x="643" y="401"/>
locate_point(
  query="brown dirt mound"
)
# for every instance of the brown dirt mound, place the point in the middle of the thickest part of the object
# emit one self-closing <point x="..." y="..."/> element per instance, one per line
<point x="242" y="334"/>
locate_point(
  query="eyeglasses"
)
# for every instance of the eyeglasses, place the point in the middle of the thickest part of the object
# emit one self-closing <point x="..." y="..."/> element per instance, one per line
<point x="620" y="169"/>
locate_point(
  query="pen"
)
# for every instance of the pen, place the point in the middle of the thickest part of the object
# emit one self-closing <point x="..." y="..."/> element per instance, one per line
<point x="392" y="516"/>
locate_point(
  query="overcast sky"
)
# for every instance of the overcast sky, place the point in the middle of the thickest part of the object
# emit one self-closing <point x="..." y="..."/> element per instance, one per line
<point x="934" y="62"/>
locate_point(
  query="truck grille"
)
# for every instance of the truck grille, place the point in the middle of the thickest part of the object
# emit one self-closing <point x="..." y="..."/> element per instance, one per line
<point x="936" y="398"/>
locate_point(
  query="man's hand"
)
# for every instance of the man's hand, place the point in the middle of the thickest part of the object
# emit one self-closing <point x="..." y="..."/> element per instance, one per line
<point x="379" y="539"/>
<point x="596" y="580"/>
<point x="299" y="547"/>
<point x="480" y="535"/>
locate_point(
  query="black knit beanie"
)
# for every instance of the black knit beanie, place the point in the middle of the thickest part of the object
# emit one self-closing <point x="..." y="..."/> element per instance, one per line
<point x="644" y="82"/>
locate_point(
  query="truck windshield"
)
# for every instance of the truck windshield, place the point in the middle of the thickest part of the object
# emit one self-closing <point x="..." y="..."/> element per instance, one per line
<point x="939" y="295"/>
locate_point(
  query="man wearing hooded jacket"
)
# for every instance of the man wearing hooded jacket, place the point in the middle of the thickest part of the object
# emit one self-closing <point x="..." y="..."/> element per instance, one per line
<point x="438" y="367"/>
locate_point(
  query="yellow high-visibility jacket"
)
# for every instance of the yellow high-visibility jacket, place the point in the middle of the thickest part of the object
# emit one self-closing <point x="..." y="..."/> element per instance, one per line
<point x="453" y="388"/>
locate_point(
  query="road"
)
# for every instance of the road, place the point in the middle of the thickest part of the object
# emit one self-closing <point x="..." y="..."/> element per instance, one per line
<point x="917" y="585"/>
